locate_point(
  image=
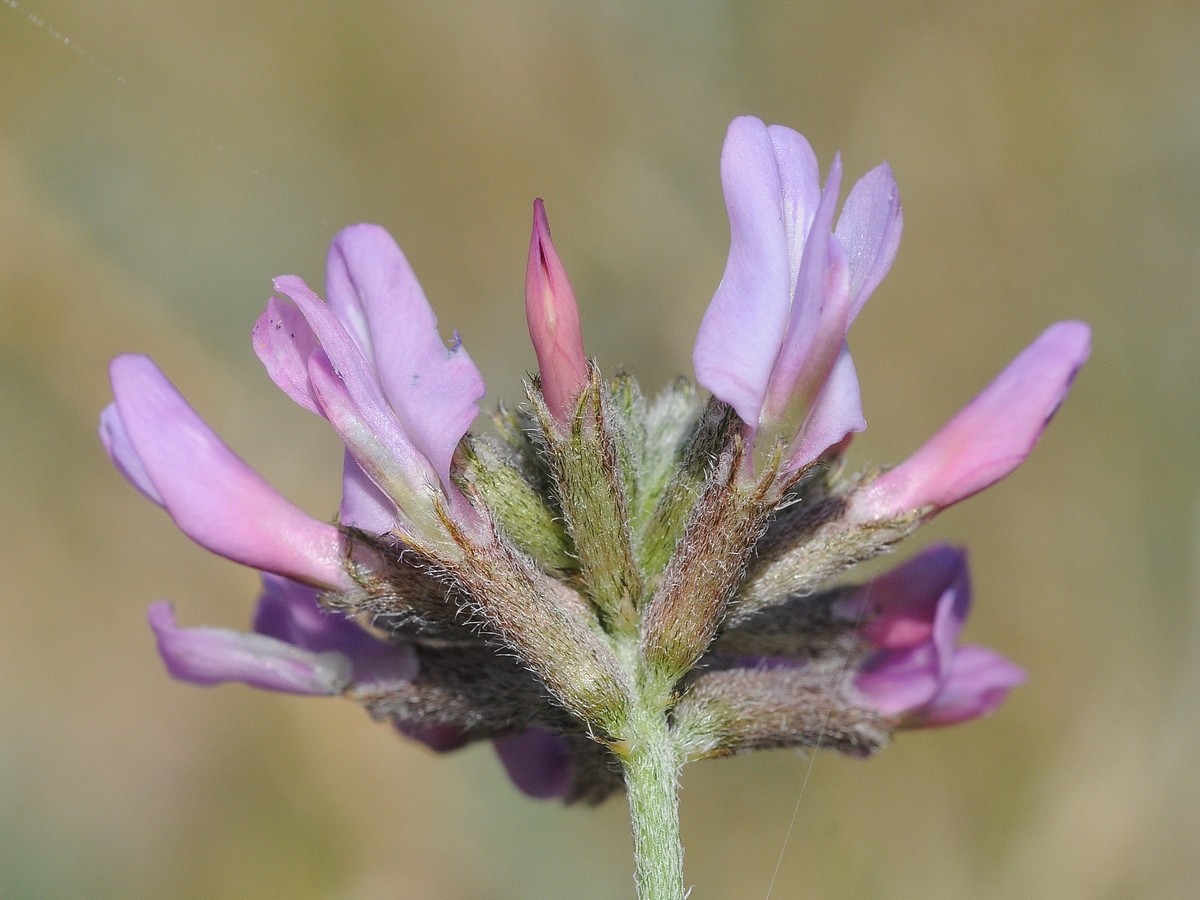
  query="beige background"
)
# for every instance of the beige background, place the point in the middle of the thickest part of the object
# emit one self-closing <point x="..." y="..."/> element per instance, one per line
<point x="160" y="165"/>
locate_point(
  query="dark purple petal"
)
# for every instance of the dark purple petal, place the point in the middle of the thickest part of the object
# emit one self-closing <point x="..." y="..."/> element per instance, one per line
<point x="553" y="318"/>
<point x="537" y="761"/>
<point x="920" y="675"/>
<point x="213" y="496"/>
<point x="439" y="738"/>
<point x="977" y="682"/>
<point x="120" y="450"/>
<point x="208" y="656"/>
<point x="291" y="612"/>
<point x="771" y="184"/>
<point x="899" y="609"/>
<point x="869" y="228"/>
<point x="989" y="437"/>
<point x="434" y="389"/>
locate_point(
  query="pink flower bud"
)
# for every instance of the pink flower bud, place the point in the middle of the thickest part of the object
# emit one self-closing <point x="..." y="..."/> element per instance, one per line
<point x="553" y="319"/>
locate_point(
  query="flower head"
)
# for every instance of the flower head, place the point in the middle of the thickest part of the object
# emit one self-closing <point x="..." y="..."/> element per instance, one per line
<point x="610" y="573"/>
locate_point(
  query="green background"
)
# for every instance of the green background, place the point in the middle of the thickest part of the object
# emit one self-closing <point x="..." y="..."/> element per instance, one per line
<point x="163" y="162"/>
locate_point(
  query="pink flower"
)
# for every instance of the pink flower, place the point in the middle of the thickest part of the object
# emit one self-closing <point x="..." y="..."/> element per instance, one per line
<point x="918" y="674"/>
<point x="296" y="647"/>
<point x="989" y="437"/>
<point x="165" y="450"/>
<point x="773" y="341"/>
<point x="373" y="364"/>
<point x="553" y="318"/>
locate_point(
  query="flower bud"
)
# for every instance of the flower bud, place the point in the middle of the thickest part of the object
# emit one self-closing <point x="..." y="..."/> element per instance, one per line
<point x="553" y="319"/>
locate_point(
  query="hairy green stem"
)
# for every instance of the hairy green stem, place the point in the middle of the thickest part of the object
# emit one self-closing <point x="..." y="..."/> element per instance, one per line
<point x="652" y="782"/>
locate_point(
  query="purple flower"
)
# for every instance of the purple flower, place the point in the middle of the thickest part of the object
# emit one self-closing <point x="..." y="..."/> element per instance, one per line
<point x="553" y="318"/>
<point x="296" y="647"/>
<point x="917" y="673"/>
<point x="373" y="364"/>
<point x="773" y="341"/>
<point x="537" y="761"/>
<point x="989" y="437"/>
<point x="165" y="450"/>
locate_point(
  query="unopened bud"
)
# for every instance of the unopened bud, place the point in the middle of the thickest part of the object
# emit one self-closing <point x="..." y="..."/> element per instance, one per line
<point x="553" y="318"/>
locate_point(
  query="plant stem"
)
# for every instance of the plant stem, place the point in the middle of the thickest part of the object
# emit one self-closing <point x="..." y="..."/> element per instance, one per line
<point x="652" y="783"/>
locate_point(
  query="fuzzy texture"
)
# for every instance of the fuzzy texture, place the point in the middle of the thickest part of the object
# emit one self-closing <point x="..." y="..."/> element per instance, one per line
<point x="613" y="584"/>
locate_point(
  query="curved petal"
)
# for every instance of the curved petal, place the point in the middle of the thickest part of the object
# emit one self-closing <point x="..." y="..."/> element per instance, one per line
<point x="836" y="414"/>
<point x="800" y="192"/>
<point x="434" y="390"/>
<point x="869" y="228"/>
<point x="120" y="450"/>
<point x="208" y="656"/>
<point x="770" y="181"/>
<point x="283" y="340"/>
<point x="291" y="612"/>
<point x="372" y="435"/>
<point x="818" y="318"/>
<point x="896" y="681"/>
<point x="989" y="437"/>
<point x="438" y="738"/>
<point x="364" y="505"/>
<point x="553" y="318"/>
<point x="213" y="496"/>
<point x="537" y="761"/>
<point x="899" y="607"/>
<point x="977" y="682"/>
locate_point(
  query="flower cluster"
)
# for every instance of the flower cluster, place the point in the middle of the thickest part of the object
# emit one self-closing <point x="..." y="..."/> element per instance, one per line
<point x="609" y="571"/>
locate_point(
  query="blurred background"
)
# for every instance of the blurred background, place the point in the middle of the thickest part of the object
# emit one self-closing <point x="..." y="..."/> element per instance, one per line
<point x="160" y="162"/>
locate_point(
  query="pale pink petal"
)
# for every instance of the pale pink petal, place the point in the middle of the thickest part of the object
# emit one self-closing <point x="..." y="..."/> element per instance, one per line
<point x="869" y="228"/>
<point x="213" y="496"/>
<point x="119" y="449"/>
<point x="359" y="397"/>
<point x="364" y="505"/>
<point x="770" y="180"/>
<point x="818" y="318"/>
<point x="208" y="656"/>
<point x="373" y="437"/>
<point x="800" y="192"/>
<point x="283" y="340"/>
<point x="836" y="414"/>
<point x="553" y="318"/>
<point x="434" y="389"/>
<point x="989" y="437"/>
